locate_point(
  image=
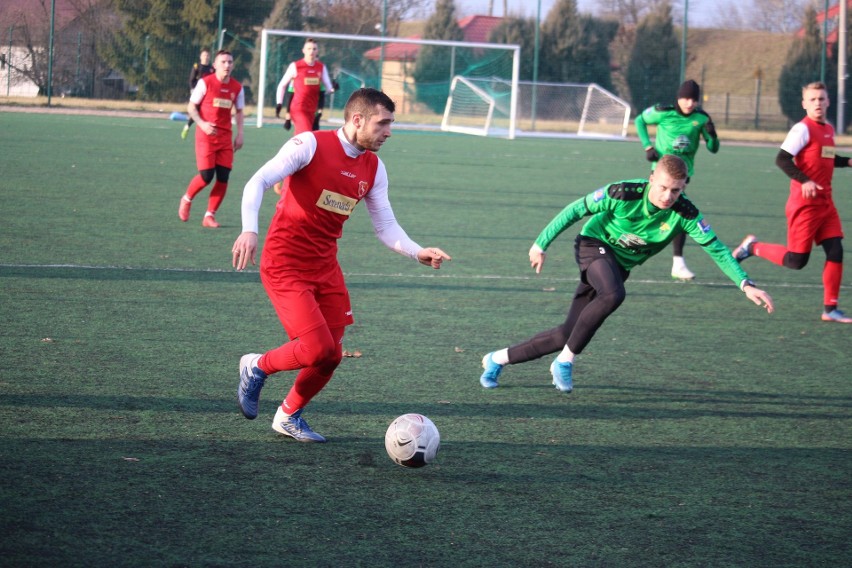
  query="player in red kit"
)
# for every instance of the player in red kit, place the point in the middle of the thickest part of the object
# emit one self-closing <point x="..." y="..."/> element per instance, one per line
<point x="330" y="172"/>
<point x="215" y="97"/>
<point x="307" y="75"/>
<point x="808" y="157"/>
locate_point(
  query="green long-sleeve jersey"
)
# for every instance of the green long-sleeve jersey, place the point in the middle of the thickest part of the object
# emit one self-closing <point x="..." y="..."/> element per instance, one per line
<point x="635" y="229"/>
<point x="676" y="133"/>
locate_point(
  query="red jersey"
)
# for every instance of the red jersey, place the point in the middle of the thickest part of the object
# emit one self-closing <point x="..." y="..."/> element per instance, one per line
<point x="217" y="103"/>
<point x="306" y="86"/>
<point x="309" y="217"/>
<point x="816" y="160"/>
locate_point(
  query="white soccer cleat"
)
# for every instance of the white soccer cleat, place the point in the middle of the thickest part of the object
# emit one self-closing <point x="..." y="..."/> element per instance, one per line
<point x="682" y="273"/>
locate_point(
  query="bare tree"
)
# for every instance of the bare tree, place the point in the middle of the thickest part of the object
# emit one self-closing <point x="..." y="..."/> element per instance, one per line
<point x="780" y="16"/>
<point x="362" y="17"/>
<point x="632" y="11"/>
<point x="29" y="24"/>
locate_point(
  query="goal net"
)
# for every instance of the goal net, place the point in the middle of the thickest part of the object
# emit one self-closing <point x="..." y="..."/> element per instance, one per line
<point x="416" y="73"/>
<point x="469" y="109"/>
<point x="480" y="106"/>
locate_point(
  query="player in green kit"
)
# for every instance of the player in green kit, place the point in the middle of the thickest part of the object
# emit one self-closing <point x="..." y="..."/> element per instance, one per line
<point x="631" y="221"/>
<point x="679" y="131"/>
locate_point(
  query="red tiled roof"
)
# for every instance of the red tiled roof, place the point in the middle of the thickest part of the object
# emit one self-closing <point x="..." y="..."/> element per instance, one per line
<point x="395" y="51"/>
<point x="475" y="29"/>
<point x="833" y="16"/>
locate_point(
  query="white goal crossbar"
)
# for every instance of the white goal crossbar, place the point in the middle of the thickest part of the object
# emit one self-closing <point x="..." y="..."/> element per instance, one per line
<point x="264" y="46"/>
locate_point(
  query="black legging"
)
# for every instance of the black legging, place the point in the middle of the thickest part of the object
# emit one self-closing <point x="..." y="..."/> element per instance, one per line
<point x="600" y="292"/>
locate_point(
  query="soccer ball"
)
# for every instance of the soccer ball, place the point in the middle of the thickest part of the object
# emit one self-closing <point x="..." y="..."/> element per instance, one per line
<point x="412" y="440"/>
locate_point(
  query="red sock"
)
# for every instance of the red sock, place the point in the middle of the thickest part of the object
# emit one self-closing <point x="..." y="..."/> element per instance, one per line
<point x="309" y="382"/>
<point x="281" y="359"/>
<point x="771" y="252"/>
<point x="217" y="194"/>
<point x="196" y="184"/>
<point x="832" y="276"/>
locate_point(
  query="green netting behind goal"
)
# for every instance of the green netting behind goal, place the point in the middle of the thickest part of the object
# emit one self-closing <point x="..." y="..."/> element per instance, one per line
<point x="416" y="74"/>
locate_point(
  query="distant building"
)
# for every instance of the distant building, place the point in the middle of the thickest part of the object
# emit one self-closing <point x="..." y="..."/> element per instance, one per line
<point x="77" y="69"/>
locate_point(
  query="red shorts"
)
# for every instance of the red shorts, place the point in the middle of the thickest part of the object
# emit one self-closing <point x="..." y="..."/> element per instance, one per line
<point x="303" y="121"/>
<point x="809" y="224"/>
<point x="305" y="301"/>
<point x="212" y="151"/>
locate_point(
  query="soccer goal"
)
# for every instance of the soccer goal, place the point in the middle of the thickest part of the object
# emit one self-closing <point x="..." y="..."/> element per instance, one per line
<point x="416" y="73"/>
<point x="480" y="106"/>
<point x="469" y="109"/>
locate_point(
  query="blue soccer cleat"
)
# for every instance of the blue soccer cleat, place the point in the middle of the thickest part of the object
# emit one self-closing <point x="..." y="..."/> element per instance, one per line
<point x="295" y="427"/>
<point x="492" y="371"/>
<point x="836" y="316"/>
<point x="744" y="250"/>
<point x="562" y="375"/>
<point x="251" y="381"/>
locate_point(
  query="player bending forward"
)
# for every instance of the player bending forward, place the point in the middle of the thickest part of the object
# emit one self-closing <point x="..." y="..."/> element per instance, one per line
<point x="330" y="171"/>
<point x="631" y="221"/>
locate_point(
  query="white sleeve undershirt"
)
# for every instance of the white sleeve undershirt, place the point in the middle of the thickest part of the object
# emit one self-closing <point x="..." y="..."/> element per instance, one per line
<point x="326" y="80"/>
<point x="796" y="139"/>
<point x="289" y="75"/>
<point x="296" y="153"/>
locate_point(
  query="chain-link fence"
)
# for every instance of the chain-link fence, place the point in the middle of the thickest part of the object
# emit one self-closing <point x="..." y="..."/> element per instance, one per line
<point x="99" y="56"/>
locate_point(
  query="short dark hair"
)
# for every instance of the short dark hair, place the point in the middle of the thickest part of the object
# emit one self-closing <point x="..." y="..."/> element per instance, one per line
<point x="223" y="52"/>
<point x="364" y="101"/>
<point x="674" y="166"/>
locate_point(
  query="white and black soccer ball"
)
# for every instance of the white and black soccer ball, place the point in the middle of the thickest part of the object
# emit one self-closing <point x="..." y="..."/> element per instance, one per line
<point x="412" y="440"/>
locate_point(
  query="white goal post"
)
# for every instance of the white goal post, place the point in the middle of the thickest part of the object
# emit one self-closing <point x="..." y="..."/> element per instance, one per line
<point x="479" y="105"/>
<point x="407" y="88"/>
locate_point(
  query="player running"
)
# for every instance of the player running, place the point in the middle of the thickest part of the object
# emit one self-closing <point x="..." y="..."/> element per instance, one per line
<point x="631" y="221"/>
<point x="330" y="172"/>
<point x="679" y="131"/>
<point x="808" y="156"/>
<point x="210" y="105"/>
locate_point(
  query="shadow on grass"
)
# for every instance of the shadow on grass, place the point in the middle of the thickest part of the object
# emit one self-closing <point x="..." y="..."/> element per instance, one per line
<point x="644" y="406"/>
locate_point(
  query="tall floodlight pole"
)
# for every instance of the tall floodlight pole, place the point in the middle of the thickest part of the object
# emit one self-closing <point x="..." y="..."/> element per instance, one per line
<point x="841" y="68"/>
<point x="382" y="49"/>
<point x="220" y="35"/>
<point x="824" y="42"/>
<point x="683" y="42"/>
<point x="50" y="52"/>
<point x="535" y="62"/>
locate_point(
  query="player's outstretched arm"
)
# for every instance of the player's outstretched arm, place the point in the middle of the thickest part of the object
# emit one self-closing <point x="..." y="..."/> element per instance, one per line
<point x="431" y="256"/>
<point x="759" y="297"/>
<point x="244" y="250"/>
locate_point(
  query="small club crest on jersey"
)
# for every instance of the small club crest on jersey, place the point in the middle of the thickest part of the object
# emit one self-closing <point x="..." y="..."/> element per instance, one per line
<point x="704" y="226"/>
<point x="362" y="188"/>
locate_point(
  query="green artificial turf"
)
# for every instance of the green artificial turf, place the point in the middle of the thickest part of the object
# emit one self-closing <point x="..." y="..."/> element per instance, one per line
<point x="701" y="431"/>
